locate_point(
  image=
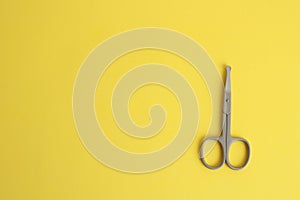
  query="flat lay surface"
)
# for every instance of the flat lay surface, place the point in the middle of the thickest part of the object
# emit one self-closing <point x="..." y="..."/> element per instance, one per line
<point x="44" y="43"/>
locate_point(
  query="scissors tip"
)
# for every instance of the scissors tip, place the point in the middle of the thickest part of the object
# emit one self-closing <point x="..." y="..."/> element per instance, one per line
<point x="228" y="68"/>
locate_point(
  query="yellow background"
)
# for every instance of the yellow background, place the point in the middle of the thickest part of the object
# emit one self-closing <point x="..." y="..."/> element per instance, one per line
<point x="43" y="44"/>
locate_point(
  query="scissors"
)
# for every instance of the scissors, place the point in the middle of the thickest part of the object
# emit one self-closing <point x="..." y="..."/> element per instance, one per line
<point x="225" y="139"/>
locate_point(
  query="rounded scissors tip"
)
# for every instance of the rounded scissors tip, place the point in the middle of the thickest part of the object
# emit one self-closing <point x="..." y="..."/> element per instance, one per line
<point x="228" y="68"/>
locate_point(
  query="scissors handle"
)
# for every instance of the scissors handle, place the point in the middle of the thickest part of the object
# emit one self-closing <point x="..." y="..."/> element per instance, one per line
<point x="230" y="141"/>
<point x="221" y="141"/>
<point x="225" y="145"/>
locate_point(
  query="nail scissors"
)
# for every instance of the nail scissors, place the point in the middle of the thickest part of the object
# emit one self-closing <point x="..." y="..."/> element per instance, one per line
<point x="225" y="139"/>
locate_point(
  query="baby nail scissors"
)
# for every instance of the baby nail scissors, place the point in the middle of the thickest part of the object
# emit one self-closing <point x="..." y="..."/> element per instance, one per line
<point x="225" y="139"/>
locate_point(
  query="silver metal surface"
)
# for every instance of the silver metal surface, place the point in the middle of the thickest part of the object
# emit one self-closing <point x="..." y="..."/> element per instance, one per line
<point x="225" y="139"/>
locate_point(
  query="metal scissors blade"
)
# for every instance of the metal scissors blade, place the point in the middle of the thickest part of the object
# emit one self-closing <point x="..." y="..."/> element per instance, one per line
<point x="227" y="92"/>
<point x="225" y="139"/>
